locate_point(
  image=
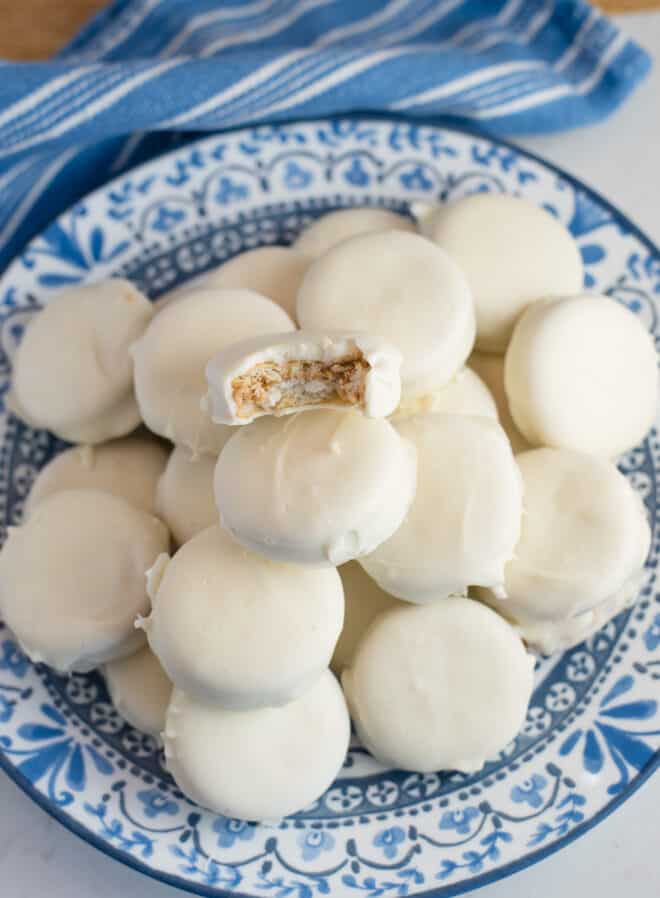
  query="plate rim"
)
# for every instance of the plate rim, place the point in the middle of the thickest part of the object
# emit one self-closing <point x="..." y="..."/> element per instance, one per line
<point x="460" y="888"/>
<point x="446" y="891"/>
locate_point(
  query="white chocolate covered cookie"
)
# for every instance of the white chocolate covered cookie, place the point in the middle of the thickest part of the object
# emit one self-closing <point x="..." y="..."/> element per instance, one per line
<point x="140" y="690"/>
<point x="319" y="487"/>
<point x="335" y="227"/>
<point x="72" y="578"/>
<point x="512" y="252"/>
<point x="364" y="600"/>
<point x="171" y="357"/>
<point x="129" y="467"/>
<point x="465" y="394"/>
<point x="490" y="368"/>
<point x="584" y="539"/>
<point x="261" y="764"/>
<point x="234" y="629"/>
<point x="558" y="635"/>
<point x="73" y="373"/>
<point x="184" y="498"/>
<point x="582" y="373"/>
<point x="464" y="524"/>
<point x="403" y="288"/>
<point x="440" y="687"/>
<point x="273" y="271"/>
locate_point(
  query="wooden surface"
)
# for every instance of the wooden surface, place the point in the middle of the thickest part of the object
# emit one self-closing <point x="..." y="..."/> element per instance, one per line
<point x="35" y="29"/>
<point x="628" y="5"/>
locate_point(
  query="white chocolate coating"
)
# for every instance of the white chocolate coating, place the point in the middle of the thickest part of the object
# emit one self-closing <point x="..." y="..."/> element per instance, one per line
<point x="171" y="357"/>
<point x="490" y="369"/>
<point x="273" y="271"/>
<point x="550" y="636"/>
<point x="620" y="600"/>
<point x="320" y="487"/>
<point x="262" y="764"/>
<point x="184" y="499"/>
<point x="237" y="630"/>
<point x="405" y="289"/>
<point x="139" y="690"/>
<point x="335" y="227"/>
<point x="585" y="536"/>
<point x="72" y="578"/>
<point x="193" y="283"/>
<point x="440" y="687"/>
<point x="129" y="467"/>
<point x="464" y="524"/>
<point x="73" y="373"/>
<point x="364" y="601"/>
<point x="581" y="373"/>
<point x="512" y="252"/>
<point x="465" y="394"/>
<point x="377" y="393"/>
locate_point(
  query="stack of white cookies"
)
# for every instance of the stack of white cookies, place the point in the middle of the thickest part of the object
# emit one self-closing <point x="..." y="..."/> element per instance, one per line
<point x="387" y="451"/>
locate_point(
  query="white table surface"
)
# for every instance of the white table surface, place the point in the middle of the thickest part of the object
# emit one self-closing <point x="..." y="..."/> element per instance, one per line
<point x="40" y="859"/>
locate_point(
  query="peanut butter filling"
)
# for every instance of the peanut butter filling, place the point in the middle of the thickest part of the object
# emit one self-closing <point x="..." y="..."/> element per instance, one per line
<point x="274" y="386"/>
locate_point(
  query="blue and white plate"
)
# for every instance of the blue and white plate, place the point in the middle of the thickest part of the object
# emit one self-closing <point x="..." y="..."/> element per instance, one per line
<point x="592" y="735"/>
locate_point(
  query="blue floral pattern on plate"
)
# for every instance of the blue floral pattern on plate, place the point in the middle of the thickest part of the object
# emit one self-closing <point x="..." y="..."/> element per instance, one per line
<point x="592" y="733"/>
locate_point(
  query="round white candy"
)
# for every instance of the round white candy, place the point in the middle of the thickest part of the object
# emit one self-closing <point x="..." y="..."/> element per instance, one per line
<point x="73" y="373"/>
<point x="623" y="598"/>
<point x="490" y="369"/>
<point x="139" y="690"/>
<point x="582" y="373"/>
<point x="364" y="601"/>
<point x="192" y="284"/>
<point x="334" y="228"/>
<point x="184" y="499"/>
<point x="440" y="687"/>
<point x="550" y="636"/>
<point x="171" y="357"/>
<point x="240" y="631"/>
<point x="320" y="487"/>
<point x="512" y="252"/>
<point x="466" y="394"/>
<point x="261" y="764"/>
<point x="273" y="271"/>
<point x="72" y="578"/>
<point x="403" y="288"/>
<point x="129" y="468"/>
<point x="464" y="524"/>
<point x="585" y="536"/>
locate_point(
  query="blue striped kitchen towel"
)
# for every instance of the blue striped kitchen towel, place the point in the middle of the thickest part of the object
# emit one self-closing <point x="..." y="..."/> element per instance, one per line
<point x="145" y="74"/>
